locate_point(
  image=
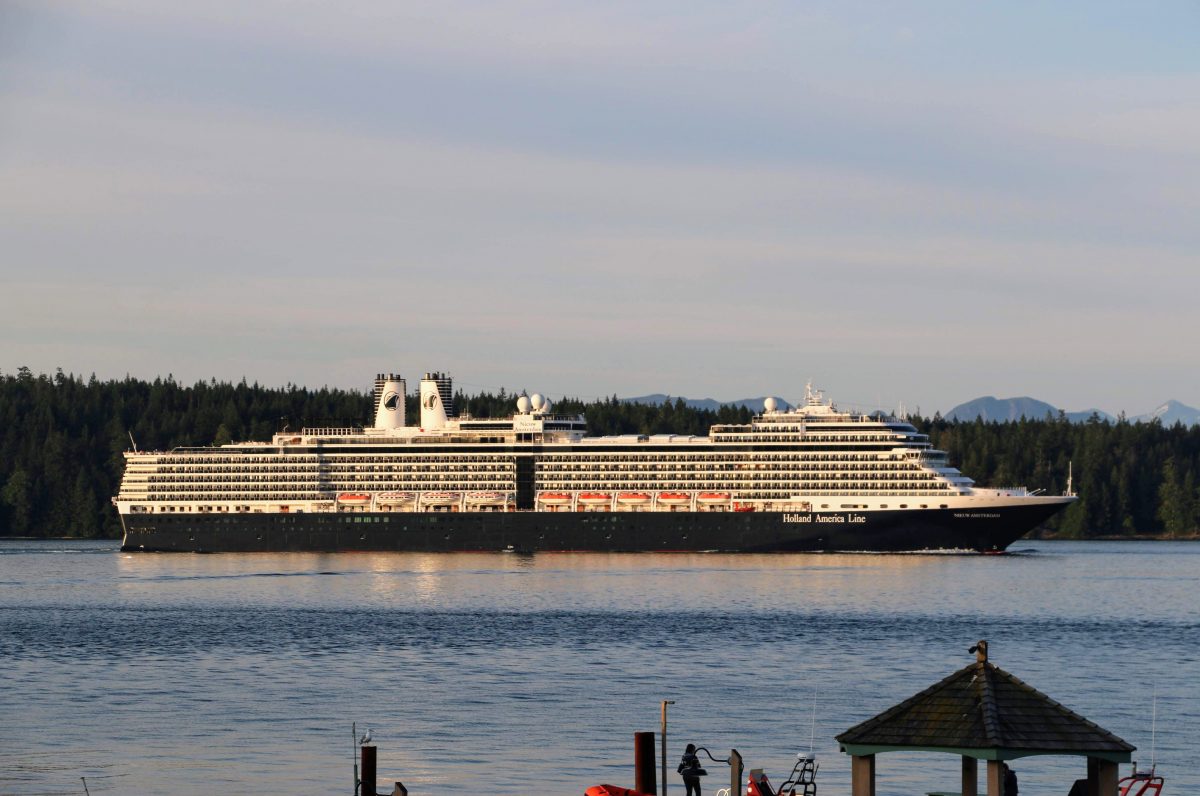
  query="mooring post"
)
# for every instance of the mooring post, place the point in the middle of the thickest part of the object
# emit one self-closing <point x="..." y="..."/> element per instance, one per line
<point x="643" y="763"/>
<point x="368" y="771"/>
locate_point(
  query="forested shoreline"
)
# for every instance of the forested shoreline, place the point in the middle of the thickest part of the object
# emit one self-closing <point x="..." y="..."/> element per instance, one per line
<point x="62" y="439"/>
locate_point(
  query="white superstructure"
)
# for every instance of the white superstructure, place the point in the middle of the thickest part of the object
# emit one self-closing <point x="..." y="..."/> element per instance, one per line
<point x="812" y="458"/>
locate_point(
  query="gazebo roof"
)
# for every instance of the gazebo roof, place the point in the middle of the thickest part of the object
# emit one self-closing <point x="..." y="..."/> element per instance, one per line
<point x="984" y="712"/>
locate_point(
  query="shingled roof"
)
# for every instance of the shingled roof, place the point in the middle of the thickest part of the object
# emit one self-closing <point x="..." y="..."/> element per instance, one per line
<point x="984" y="712"/>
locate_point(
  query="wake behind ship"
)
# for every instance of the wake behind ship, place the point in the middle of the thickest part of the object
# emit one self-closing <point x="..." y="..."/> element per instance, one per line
<point x="804" y="479"/>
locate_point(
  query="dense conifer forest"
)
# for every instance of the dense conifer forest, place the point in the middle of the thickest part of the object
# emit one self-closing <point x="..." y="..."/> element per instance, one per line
<point x="61" y="440"/>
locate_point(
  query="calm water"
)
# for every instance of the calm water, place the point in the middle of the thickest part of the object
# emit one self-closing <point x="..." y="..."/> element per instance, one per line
<point x="504" y="674"/>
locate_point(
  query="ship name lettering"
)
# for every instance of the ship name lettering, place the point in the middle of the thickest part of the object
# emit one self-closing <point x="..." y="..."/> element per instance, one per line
<point x="964" y="515"/>
<point x="788" y="517"/>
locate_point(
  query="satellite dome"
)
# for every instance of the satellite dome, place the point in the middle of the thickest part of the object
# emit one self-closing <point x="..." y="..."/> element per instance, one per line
<point x="523" y="404"/>
<point x="537" y="401"/>
<point x="546" y="405"/>
<point x="770" y="404"/>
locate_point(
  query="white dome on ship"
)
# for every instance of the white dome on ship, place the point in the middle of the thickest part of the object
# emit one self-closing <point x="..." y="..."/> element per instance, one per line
<point x="546" y="405"/>
<point x="523" y="404"/>
<point x="770" y="405"/>
<point x="537" y="401"/>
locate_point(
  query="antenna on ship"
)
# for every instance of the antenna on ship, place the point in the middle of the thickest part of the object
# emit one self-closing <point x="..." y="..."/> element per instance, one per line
<point x="1070" y="489"/>
<point x="130" y="433"/>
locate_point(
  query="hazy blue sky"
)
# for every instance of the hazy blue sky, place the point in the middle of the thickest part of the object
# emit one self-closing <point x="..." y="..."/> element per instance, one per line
<point x="905" y="202"/>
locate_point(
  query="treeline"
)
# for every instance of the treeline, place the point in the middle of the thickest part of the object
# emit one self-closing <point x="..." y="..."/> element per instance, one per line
<point x="62" y="440"/>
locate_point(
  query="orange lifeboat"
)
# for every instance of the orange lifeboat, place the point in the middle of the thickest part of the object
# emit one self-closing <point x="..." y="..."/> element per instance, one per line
<point x="396" y="498"/>
<point x="633" y="498"/>
<point x="674" y="498"/>
<point x="595" y="498"/>
<point x="713" y="497"/>
<point x="743" y="507"/>
<point x="440" y="498"/>
<point x="487" y="498"/>
<point x="353" y="499"/>
<point x="554" y="498"/>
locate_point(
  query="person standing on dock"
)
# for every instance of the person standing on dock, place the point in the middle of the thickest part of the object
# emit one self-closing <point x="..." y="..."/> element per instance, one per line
<point x="1010" y="781"/>
<point x="690" y="770"/>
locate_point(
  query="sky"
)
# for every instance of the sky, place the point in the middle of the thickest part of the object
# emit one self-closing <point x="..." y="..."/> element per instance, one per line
<point x="915" y="203"/>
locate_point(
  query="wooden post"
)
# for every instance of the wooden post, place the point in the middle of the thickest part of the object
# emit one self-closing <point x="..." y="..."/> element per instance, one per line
<point x="735" y="772"/>
<point x="643" y="762"/>
<point x="970" y="776"/>
<point x="1106" y="778"/>
<point x="1093" y="776"/>
<point x="995" y="778"/>
<point x="862" y="775"/>
<point x="665" y="702"/>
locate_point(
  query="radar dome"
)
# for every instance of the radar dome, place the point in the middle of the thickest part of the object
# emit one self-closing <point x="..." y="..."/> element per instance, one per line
<point x="770" y="404"/>
<point x="523" y="404"/>
<point x="546" y="406"/>
<point x="537" y="401"/>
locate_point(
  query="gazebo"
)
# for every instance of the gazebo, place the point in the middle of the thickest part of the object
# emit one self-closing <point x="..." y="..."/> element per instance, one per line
<point x="982" y="712"/>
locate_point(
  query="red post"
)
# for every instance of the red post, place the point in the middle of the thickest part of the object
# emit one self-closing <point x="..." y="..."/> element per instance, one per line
<point x="643" y="763"/>
<point x="368" y="771"/>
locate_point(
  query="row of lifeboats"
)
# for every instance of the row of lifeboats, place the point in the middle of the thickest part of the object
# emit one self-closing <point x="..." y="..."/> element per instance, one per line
<point x="426" y="498"/>
<point x="545" y="498"/>
<point x="632" y="498"/>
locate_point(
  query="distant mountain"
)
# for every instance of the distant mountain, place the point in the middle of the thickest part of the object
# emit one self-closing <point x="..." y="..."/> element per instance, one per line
<point x="753" y="404"/>
<point x="1170" y="413"/>
<point x="1000" y="409"/>
<point x="1086" y="415"/>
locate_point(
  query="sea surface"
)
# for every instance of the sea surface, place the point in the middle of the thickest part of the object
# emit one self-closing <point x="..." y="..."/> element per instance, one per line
<point x="507" y="674"/>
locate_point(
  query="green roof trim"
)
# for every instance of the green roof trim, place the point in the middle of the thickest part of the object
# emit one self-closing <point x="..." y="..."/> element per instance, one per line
<point x="859" y="750"/>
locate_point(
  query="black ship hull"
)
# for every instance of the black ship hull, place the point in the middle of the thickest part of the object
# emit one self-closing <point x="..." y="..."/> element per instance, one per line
<point x="982" y="530"/>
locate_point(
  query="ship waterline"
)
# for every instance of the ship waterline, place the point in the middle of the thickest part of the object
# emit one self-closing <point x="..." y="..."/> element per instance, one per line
<point x="809" y="478"/>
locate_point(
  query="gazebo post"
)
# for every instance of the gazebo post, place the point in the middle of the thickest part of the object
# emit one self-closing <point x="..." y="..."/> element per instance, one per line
<point x="995" y="778"/>
<point x="1102" y="777"/>
<point x="862" y="775"/>
<point x="970" y="776"/>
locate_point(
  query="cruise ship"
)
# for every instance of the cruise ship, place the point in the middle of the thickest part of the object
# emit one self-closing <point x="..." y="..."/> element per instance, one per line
<point x="808" y="478"/>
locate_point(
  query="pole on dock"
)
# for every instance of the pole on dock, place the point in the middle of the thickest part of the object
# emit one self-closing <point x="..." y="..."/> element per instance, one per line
<point x="643" y="762"/>
<point x="735" y="773"/>
<point x="368" y="771"/>
<point x="665" y="702"/>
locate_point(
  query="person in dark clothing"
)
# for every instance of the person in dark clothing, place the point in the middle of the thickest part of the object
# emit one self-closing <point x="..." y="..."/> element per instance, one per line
<point x="689" y="769"/>
<point x="1010" y="781"/>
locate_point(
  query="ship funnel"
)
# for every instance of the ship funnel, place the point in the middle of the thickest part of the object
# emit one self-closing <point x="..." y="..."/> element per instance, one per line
<point x="389" y="401"/>
<point x="437" y="400"/>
